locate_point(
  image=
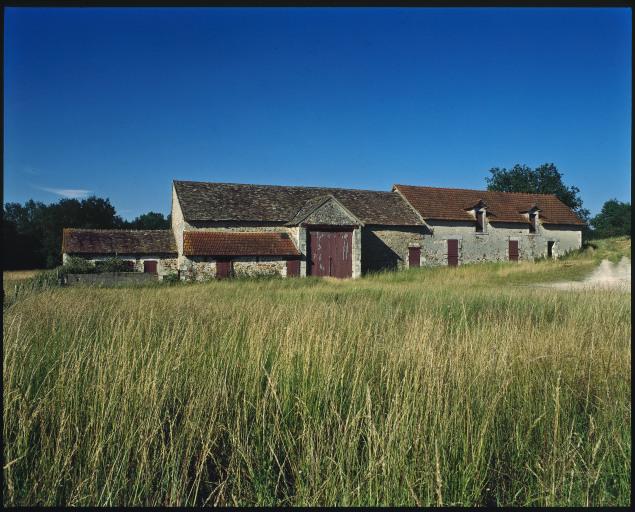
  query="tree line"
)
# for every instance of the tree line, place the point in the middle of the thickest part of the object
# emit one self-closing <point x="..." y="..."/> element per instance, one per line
<point x="32" y="232"/>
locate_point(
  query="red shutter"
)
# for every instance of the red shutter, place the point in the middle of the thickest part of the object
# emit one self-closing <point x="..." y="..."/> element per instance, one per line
<point x="513" y="250"/>
<point x="223" y="268"/>
<point x="414" y="256"/>
<point x="293" y="268"/>
<point x="453" y="253"/>
<point x="150" y="267"/>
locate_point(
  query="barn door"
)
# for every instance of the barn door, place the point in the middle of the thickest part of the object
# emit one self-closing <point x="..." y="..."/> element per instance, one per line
<point x="150" y="267"/>
<point x="453" y="253"/>
<point x="414" y="256"/>
<point x="223" y="269"/>
<point x="293" y="268"/>
<point x="513" y="250"/>
<point x="330" y="253"/>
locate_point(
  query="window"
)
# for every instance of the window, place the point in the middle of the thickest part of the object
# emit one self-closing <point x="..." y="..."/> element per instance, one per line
<point x="480" y="221"/>
<point x="550" y="249"/>
<point x="533" y="221"/>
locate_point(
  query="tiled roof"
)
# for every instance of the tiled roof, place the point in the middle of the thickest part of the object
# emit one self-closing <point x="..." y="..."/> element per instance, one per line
<point x="214" y="243"/>
<point x="453" y="204"/>
<point x="271" y="203"/>
<point x="118" y="241"/>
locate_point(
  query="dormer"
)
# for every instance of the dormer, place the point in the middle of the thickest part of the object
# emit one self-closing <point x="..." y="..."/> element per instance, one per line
<point x="532" y="214"/>
<point x="479" y="210"/>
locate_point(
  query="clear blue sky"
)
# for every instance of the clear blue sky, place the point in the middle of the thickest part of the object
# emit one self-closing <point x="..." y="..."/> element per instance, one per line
<point x="118" y="102"/>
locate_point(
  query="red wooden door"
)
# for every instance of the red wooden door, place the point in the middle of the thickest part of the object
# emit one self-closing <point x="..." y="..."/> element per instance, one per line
<point x="331" y="253"/>
<point x="453" y="253"/>
<point x="414" y="256"/>
<point x="513" y="250"/>
<point x="223" y="269"/>
<point x="293" y="268"/>
<point x="150" y="267"/>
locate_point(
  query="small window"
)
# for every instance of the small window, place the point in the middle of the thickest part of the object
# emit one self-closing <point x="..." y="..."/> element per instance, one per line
<point x="480" y="221"/>
<point x="533" y="219"/>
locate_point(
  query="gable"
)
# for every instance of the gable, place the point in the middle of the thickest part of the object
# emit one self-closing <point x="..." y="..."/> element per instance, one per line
<point x="331" y="213"/>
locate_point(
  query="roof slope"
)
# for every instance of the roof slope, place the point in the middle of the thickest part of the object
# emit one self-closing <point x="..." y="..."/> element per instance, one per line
<point x="202" y="201"/>
<point x="453" y="204"/>
<point x="214" y="243"/>
<point x="118" y="241"/>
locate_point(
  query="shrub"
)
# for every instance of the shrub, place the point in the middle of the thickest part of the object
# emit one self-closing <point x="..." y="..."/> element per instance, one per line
<point x="75" y="265"/>
<point x="114" y="265"/>
<point x="171" y="278"/>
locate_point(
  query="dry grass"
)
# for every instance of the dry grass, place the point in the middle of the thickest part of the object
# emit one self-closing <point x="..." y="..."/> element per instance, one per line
<point x="12" y="277"/>
<point x="428" y="387"/>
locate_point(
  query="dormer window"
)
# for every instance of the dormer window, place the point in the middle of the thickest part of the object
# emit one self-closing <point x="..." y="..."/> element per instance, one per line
<point x="480" y="220"/>
<point x="533" y="221"/>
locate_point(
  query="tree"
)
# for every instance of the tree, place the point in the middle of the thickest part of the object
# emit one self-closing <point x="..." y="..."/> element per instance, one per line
<point x="37" y="241"/>
<point x="150" y="220"/>
<point x="613" y="220"/>
<point x="544" y="179"/>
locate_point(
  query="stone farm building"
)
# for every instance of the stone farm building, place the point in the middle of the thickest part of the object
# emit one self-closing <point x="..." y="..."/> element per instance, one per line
<point x="224" y="229"/>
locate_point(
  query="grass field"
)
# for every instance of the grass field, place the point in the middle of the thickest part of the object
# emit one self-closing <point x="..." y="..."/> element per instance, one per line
<point x="425" y="387"/>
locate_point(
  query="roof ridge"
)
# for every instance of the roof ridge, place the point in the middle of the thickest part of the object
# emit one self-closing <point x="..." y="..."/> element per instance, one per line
<point x="285" y="186"/>
<point x="476" y="190"/>
<point x="118" y="230"/>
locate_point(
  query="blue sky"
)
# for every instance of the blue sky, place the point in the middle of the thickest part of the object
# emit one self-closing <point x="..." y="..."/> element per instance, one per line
<point x="118" y="102"/>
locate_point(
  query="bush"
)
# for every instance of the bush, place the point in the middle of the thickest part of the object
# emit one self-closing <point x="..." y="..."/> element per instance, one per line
<point x="114" y="265"/>
<point x="75" y="265"/>
<point x="171" y="278"/>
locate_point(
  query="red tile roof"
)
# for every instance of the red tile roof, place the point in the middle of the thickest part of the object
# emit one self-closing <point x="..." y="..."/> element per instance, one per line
<point x="118" y="241"/>
<point x="216" y="243"/>
<point x="453" y="204"/>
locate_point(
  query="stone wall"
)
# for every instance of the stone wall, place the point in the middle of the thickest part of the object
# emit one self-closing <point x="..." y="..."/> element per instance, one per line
<point x="178" y="225"/>
<point x="109" y="278"/>
<point x="269" y="266"/>
<point x="386" y="247"/>
<point x="203" y="268"/>
<point x="493" y="243"/>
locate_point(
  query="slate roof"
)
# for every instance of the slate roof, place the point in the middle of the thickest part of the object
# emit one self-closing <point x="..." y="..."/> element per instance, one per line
<point x="453" y="204"/>
<point x="208" y="243"/>
<point x="201" y="201"/>
<point x="118" y="241"/>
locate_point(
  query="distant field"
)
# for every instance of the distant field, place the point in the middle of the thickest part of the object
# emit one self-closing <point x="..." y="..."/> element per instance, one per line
<point x="448" y="386"/>
<point x="10" y="277"/>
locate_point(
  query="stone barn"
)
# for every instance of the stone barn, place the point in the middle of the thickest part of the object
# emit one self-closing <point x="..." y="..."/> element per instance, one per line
<point x="224" y="229"/>
<point x="151" y="251"/>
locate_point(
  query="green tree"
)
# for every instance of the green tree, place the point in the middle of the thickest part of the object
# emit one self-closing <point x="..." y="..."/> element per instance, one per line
<point x="613" y="220"/>
<point x="544" y="179"/>
<point x="150" y="220"/>
<point x="34" y="230"/>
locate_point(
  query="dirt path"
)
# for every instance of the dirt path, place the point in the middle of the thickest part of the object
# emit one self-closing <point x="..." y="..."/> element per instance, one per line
<point x="607" y="276"/>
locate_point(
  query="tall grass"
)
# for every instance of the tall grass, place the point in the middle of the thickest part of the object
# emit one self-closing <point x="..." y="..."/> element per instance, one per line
<point x="427" y="387"/>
